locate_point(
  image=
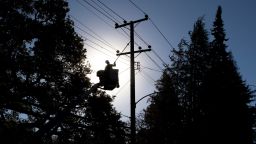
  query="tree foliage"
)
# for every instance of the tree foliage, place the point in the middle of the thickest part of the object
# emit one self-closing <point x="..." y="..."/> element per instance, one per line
<point x="45" y="92"/>
<point x="201" y="96"/>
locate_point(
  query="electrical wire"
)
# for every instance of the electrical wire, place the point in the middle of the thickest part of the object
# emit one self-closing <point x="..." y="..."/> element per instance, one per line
<point x="94" y="37"/>
<point x="103" y="48"/>
<point x="99" y="44"/>
<point x="122" y="51"/>
<point x="123" y="71"/>
<point x="159" y="58"/>
<point x="127" y="82"/>
<point x="137" y="7"/>
<point x="111" y="10"/>
<point x="141" y="39"/>
<point x="98" y="50"/>
<point x="144" y="67"/>
<point x="153" y="61"/>
<point x="148" y="76"/>
<point x="105" y="11"/>
<point x="94" y="48"/>
<point x="114" y="20"/>
<point x="152" y="23"/>
<point x="100" y="11"/>
<point x="98" y="40"/>
<point x="146" y="79"/>
<point x="95" y="14"/>
<point x="161" y="33"/>
<point x="149" y="46"/>
<point x="126" y="35"/>
<point x="120" y="89"/>
<point x="104" y="41"/>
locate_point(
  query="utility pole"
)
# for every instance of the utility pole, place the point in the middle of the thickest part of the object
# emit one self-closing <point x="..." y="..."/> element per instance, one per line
<point x="132" y="81"/>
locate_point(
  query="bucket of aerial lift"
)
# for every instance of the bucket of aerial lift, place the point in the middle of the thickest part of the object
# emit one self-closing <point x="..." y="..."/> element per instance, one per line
<point x="108" y="79"/>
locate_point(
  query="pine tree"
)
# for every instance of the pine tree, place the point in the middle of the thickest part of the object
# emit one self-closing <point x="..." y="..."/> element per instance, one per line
<point x="44" y="95"/>
<point x="197" y="65"/>
<point x="162" y="116"/>
<point x="165" y="116"/>
<point x="202" y="94"/>
<point x="226" y="104"/>
<point x="178" y="102"/>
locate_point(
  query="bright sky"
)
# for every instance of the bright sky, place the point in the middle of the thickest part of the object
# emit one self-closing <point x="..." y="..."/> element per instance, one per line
<point x="174" y="18"/>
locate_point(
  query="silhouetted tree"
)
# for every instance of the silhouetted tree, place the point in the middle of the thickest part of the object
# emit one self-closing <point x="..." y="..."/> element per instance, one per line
<point x="202" y="94"/>
<point x="198" y="65"/>
<point x="162" y="116"/>
<point x="227" y="95"/>
<point x="174" y="114"/>
<point x="45" y="92"/>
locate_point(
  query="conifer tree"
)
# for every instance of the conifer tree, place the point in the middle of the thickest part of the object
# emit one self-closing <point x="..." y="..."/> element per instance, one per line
<point x="162" y="116"/>
<point x="196" y="66"/>
<point x="226" y="104"/>
<point x="208" y="96"/>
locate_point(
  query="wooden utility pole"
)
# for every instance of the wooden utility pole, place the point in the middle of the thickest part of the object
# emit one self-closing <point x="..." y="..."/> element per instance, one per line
<point x="132" y="81"/>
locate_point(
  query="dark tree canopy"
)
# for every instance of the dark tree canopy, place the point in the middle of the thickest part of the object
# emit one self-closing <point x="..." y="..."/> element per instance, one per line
<point x="201" y="96"/>
<point x="45" y="92"/>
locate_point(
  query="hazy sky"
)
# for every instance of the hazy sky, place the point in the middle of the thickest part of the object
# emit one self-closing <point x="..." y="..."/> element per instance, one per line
<point x="174" y="18"/>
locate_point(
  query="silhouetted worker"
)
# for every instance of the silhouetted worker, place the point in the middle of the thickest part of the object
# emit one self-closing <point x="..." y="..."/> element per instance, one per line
<point x="109" y="73"/>
<point x="109" y="66"/>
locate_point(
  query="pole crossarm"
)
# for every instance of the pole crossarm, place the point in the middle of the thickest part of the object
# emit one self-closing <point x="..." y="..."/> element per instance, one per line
<point x="126" y="24"/>
<point x="139" y="51"/>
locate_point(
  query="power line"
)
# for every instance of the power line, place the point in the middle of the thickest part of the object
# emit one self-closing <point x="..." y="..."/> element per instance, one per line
<point x="153" y="61"/>
<point x="147" y="79"/>
<point x="161" y="33"/>
<point x="149" y="76"/>
<point x="123" y="71"/>
<point x="124" y="62"/>
<point x="105" y="11"/>
<point x="149" y="47"/>
<point x="142" y="39"/>
<point x="123" y="50"/>
<point x="120" y="89"/>
<point x="98" y="50"/>
<point x="93" y="41"/>
<point x="104" y="53"/>
<point x="159" y="58"/>
<point x="95" y="14"/>
<point x="126" y="35"/>
<point x="127" y="82"/>
<point x="111" y="10"/>
<point x="100" y="11"/>
<point x="152" y="23"/>
<point x="94" y="37"/>
<point x="97" y="43"/>
<point x="137" y="7"/>
<point x="103" y="40"/>
<point x="150" y="68"/>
